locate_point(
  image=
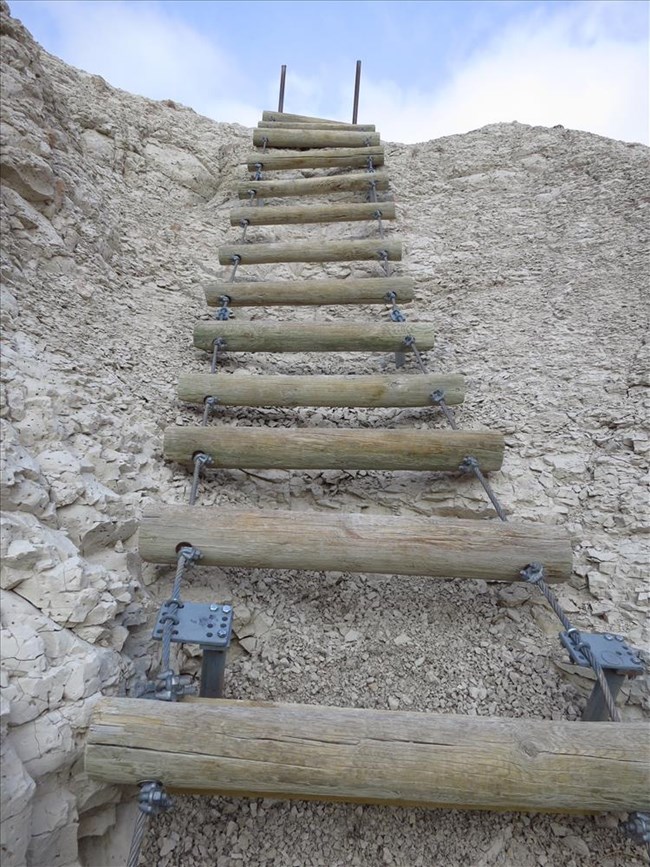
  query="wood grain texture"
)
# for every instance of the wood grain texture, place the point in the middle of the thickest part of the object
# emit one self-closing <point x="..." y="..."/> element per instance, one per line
<point x="284" y="116"/>
<point x="320" y="186"/>
<point x="314" y="138"/>
<point x="311" y="251"/>
<point x="399" y="390"/>
<point x="265" y="749"/>
<point x="275" y="336"/>
<point x="322" y="124"/>
<point x="333" y="158"/>
<point x="341" y="212"/>
<point x="327" y="448"/>
<point x="322" y="541"/>
<point x="360" y="290"/>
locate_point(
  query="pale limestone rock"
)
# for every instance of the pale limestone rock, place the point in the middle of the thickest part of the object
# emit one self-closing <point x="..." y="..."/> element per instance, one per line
<point x="45" y="744"/>
<point x="16" y="792"/>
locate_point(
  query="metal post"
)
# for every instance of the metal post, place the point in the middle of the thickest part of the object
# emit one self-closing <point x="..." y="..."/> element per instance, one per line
<point x="283" y="78"/>
<point x="596" y="708"/>
<point x="357" y="85"/>
<point x="213" y="665"/>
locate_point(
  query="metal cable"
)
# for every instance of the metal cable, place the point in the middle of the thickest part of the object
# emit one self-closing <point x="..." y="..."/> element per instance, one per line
<point x="217" y="345"/>
<point x="377" y="216"/>
<point x="244" y="224"/>
<point x="200" y="460"/>
<point x="258" y="171"/>
<point x="235" y="263"/>
<point x="370" y="166"/>
<point x="252" y="194"/>
<point x="136" y="841"/>
<point x="208" y="405"/>
<point x="534" y="574"/>
<point x="409" y="341"/>
<point x="372" y="191"/>
<point x="395" y="314"/>
<point x="383" y="257"/>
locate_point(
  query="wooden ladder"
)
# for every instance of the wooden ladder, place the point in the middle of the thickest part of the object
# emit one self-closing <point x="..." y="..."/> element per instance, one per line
<point x="393" y="757"/>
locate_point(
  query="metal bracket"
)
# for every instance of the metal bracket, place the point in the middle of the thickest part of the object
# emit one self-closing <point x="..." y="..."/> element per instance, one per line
<point x="617" y="659"/>
<point x="209" y="626"/>
<point x="198" y="623"/>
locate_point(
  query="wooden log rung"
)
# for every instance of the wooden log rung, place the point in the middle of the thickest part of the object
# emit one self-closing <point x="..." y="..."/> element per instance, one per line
<point x="277" y="336"/>
<point x="323" y="124"/>
<point x="362" y="290"/>
<point x="314" y="138"/>
<point x="269" y="749"/>
<point x="359" y="182"/>
<point x="332" y="449"/>
<point x="397" y="390"/>
<point x="321" y="541"/>
<point x="333" y="158"/>
<point x="311" y="251"/>
<point x="284" y="116"/>
<point x="341" y="212"/>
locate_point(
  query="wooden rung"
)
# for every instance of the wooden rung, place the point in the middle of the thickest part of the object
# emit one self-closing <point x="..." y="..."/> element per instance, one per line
<point x="268" y="749"/>
<point x="359" y="290"/>
<point x="314" y="138"/>
<point x="323" y="124"/>
<point x="313" y="186"/>
<point x="283" y="116"/>
<point x="322" y="541"/>
<point x="341" y="212"/>
<point x="336" y="158"/>
<point x="276" y="336"/>
<point x="311" y="251"/>
<point x="333" y="449"/>
<point x="399" y="390"/>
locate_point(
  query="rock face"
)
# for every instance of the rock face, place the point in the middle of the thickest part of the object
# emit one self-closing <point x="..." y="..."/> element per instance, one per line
<point x="528" y="247"/>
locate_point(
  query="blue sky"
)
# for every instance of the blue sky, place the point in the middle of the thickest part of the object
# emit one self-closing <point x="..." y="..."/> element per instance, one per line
<point x="429" y="68"/>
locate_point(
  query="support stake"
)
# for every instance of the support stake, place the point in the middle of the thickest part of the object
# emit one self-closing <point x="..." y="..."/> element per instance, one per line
<point x="357" y="85"/>
<point x="283" y="78"/>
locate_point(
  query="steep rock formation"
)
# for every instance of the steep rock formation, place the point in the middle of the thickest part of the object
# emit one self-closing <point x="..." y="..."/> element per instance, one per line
<point x="529" y="248"/>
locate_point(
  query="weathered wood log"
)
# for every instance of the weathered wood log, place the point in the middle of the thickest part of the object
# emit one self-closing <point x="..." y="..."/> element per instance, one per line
<point x="335" y="158"/>
<point x="313" y="186"/>
<point x="314" y="138"/>
<point x="323" y="124"/>
<point x="333" y="449"/>
<point x="266" y="749"/>
<point x="361" y="290"/>
<point x="322" y="541"/>
<point x="393" y="390"/>
<point x="303" y="118"/>
<point x="311" y="251"/>
<point x="312" y="336"/>
<point x="341" y="212"/>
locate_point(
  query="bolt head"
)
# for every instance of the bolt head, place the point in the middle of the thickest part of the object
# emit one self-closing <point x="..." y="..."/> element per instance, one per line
<point x="214" y="606"/>
<point x="222" y="633"/>
<point x="227" y="609"/>
<point x="609" y="638"/>
<point x="619" y="638"/>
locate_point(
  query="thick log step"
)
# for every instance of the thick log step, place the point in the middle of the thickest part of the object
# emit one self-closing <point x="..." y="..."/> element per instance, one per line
<point x="311" y="251"/>
<point x="343" y="212"/>
<point x="360" y="182"/>
<point x="350" y="391"/>
<point x="283" y="116"/>
<point x="323" y="124"/>
<point x="314" y="138"/>
<point x="335" y="158"/>
<point x="332" y="449"/>
<point x="312" y="336"/>
<point x="267" y="749"/>
<point x="322" y="541"/>
<point x="361" y="290"/>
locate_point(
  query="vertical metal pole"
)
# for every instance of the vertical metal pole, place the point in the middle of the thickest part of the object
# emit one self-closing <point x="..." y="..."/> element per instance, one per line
<point x="283" y="78"/>
<point x="596" y="709"/>
<point x="357" y="85"/>
<point x="213" y="665"/>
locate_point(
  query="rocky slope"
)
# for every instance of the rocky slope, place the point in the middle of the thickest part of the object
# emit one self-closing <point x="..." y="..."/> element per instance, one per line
<point x="529" y="247"/>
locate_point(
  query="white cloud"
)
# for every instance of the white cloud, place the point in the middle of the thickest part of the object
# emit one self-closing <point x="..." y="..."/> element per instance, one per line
<point x="579" y="68"/>
<point x="144" y="48"/>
